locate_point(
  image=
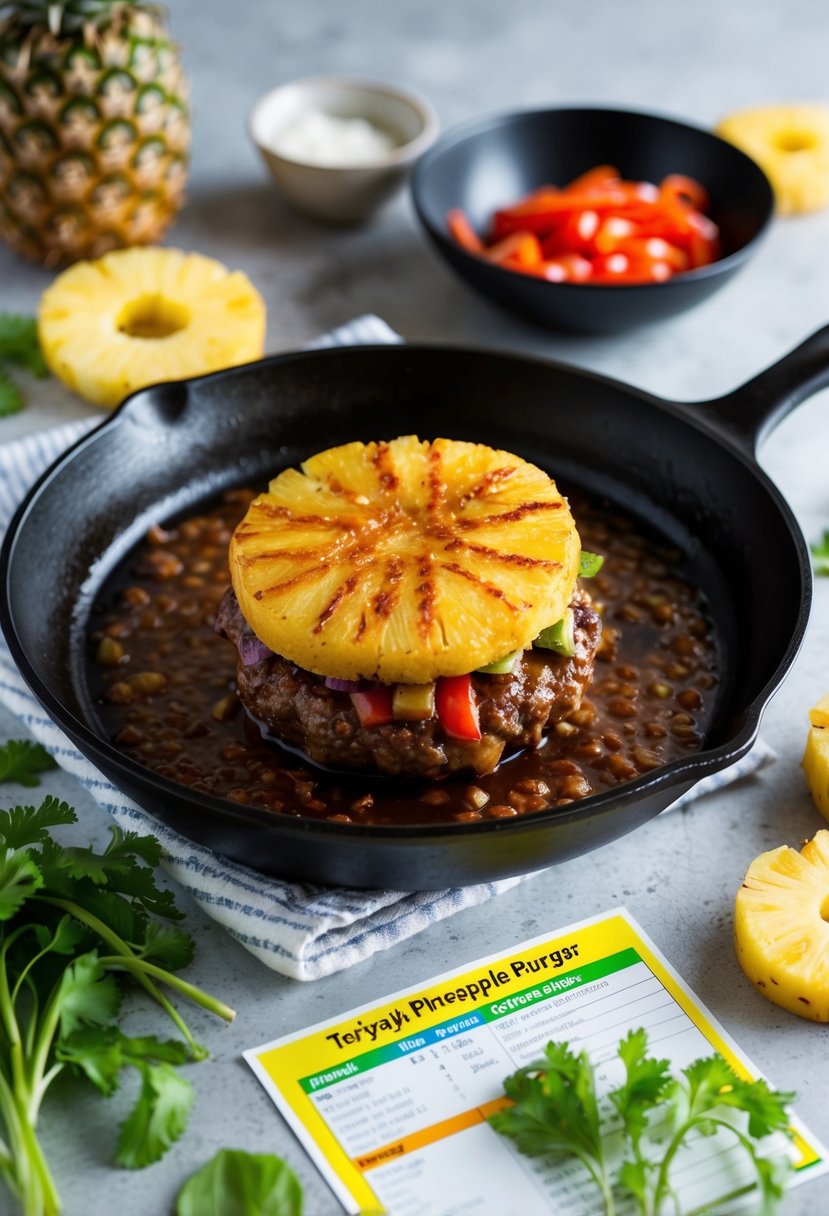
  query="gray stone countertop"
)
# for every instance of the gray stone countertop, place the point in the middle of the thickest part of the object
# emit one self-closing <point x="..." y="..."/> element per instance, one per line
<point x="678" y="875"/>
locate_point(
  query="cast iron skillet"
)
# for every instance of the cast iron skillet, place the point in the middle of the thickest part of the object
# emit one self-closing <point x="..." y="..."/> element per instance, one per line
<point x="687" y="470"/>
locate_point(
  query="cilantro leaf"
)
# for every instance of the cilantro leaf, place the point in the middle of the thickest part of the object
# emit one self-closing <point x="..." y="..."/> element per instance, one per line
<point x="11" y="398"/>
<point x="24" y="825"/>
<point x="87" y="994"/>
<point x="102" y="1052"/>
<point x="646" y="1081"/>
<point x="158" y="1118"/>
<point x="765" y="1107"/>
<point x="19" y="878"/>
<point x="19" y="343"/>
<point x="167" y="945"/>
<point x="555" y="1108"/>
<point x="820" y="554"/>
<point x="21" y="760"/>
<point x="235" y="1181"/>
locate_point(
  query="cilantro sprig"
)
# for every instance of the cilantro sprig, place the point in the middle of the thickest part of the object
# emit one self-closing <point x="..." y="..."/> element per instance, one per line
<point x="19" y="344"/>
<point x="556" y="1113"/>
<point x="75" y="926"/>
<point x="22" y="761"/>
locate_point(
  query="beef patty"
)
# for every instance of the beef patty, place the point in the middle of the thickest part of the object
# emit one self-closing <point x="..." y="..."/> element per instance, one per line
<point x="295" y="707"/>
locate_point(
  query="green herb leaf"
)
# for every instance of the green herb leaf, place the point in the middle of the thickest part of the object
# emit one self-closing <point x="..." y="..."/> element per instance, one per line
<point x="24" y="825"/>
<point x="158" y="1118"/>
<point x="235" y="1183"/>
<point x="21" y="760"/>
<point x="87" y="994"/>
<point x="101" y="1052"/>
<point x="555" y="1113"/>
<point x="76" y="927"/>
<point x="820" y="554"/>
<point x="590" y="564"/>
<point x="646" y="1081"/>
<point x="167" y="945"/>
<point x="19" y="878"/>
<point x="20" y="344"/>
<point x="555" y="1108"/>
<point x="11" y="398"/>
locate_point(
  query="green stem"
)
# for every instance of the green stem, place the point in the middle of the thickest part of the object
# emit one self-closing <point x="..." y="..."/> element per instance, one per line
<point x="139" y="966"/>
<point x="662" y="1178"/>
<point x="117" y="943"/>
<point x="28" y="1174"/>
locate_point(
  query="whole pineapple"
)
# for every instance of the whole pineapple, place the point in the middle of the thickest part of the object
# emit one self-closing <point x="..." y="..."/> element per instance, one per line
<point x="94" y="127"/>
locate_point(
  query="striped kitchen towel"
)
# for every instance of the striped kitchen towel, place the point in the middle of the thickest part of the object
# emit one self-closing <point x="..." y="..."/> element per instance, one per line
<point x="299" y="929"/>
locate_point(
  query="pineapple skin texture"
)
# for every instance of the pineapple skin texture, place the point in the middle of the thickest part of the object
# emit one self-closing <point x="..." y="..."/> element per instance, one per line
<point x="791" y="145"/>
<point x="94" y="138"/>
<point x="81" y="315"/>
<point x="781" y="936"/>
<point x="404" y="561"/>
<point x="816" y="756"/>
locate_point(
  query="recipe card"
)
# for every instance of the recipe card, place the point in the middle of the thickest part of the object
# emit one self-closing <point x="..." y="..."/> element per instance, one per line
<point x="391" y="1100"/>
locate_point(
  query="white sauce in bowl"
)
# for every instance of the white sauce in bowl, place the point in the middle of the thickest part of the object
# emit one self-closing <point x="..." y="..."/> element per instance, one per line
<point x="317" y="138"/>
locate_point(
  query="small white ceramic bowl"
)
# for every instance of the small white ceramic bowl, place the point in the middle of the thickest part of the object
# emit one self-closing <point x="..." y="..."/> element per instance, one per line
<point x="345" y="194"/>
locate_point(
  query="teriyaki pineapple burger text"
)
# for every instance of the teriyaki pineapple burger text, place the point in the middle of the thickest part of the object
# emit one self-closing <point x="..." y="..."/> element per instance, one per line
<point x="411" y="607"/>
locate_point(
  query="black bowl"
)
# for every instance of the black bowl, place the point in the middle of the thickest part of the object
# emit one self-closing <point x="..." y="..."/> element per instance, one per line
<point x="490" y="163"/>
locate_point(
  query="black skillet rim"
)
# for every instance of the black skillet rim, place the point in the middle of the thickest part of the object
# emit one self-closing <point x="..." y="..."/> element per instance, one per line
<point x="680" y="772"/>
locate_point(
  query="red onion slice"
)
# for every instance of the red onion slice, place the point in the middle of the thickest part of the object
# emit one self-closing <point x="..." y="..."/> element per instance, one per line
<point x="344" y="685"/>
<point x="251" y="650"/>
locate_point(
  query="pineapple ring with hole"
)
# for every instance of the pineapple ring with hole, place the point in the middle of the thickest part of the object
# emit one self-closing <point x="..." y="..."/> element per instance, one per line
<point x="791" y="145"/>
<point x="781" y="927"/>
<point x="404" y="561"/>
<point x="138" y="316"/>
<point x="816" y="756"/>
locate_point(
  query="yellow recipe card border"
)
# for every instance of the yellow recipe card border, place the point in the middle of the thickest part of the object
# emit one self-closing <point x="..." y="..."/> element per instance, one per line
<point x="550" y="964"/>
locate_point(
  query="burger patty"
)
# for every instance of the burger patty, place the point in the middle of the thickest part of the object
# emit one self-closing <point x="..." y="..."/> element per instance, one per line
<point x="295" y="706"/>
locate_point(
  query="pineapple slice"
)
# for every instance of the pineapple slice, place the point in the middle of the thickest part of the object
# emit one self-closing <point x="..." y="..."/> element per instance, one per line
<point x="781" y="927"/>
<point x="137" y="316"/>
<point x="791" y="145"/>
<point x="816" y="756"/>
<point x="404" y="561"/>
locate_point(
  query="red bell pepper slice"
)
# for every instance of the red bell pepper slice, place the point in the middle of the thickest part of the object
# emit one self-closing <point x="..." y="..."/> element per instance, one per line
<point x="374" y="706"/>
<point x="520" y="249"/>
<point x="456" y="707"/>
<point x="461" y="229"/>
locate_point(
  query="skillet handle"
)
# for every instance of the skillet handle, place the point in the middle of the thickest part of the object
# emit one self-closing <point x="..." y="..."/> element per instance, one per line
<point x="749" y="413"/>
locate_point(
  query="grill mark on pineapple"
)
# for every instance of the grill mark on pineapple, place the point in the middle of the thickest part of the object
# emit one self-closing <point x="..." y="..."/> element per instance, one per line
<point x="490" y="479"/>
<point x="490" y="588"/>
<point x="512" y="559"/>
<point x="509" y="517"/>
<point x="342" y="593"/>
<point x="386" y="476"/>
<point x="437" y="483"/>
<point x="302" y="577"/>
<point x="290" y="516"/>
<point x="425" y="591"/>
<point x="385" y="601"/>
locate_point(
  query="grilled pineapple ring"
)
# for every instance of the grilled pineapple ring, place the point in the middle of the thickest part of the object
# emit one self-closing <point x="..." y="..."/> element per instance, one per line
<point x="791" y="145"/>
<point x="137" y="316"/>
<point x="404" y="561"/>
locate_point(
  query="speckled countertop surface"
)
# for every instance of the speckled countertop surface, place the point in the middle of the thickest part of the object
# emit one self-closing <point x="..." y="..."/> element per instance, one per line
<point x="677" y="875"/>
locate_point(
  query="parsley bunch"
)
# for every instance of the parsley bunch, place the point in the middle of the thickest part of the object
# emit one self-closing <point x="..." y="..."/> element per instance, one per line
<point x="556" y="1114"/>
<point x="74" y="924"/>
<point x="19" y="344"/>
